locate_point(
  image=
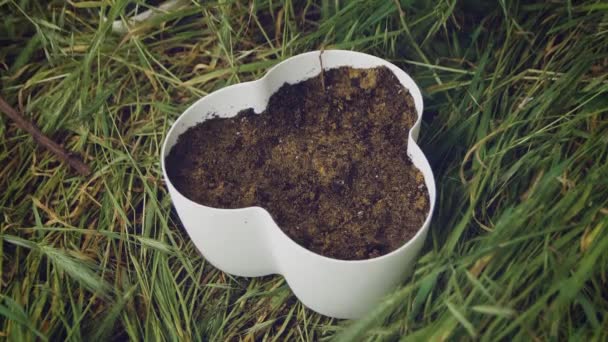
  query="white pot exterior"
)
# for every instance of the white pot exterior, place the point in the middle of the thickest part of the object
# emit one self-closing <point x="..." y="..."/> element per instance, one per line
<point x="247" y="242"/>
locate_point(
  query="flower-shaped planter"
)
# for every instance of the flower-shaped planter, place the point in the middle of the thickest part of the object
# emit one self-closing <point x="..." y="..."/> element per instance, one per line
<point x="247" y="242"/>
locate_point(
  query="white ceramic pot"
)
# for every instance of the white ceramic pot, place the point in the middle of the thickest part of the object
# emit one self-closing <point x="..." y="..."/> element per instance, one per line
<point x="247" y="242"/>
<point x="120" y="26"/>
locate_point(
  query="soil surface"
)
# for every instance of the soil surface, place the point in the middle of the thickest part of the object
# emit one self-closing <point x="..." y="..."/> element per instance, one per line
<point x="327" y="158"/>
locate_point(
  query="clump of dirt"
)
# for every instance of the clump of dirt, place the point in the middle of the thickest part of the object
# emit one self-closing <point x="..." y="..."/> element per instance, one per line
<point x="327" y="159"/>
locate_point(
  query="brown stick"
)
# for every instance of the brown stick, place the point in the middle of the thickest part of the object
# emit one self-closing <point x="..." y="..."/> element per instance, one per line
<point x="43" y="140"/>
<point x="322" y="69"/>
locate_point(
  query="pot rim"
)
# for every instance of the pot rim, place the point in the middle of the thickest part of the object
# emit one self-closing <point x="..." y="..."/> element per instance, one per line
<point x="415" y="92"/>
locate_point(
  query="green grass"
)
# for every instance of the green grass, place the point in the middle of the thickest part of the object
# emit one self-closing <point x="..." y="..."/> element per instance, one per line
<point x="515" y="127"/>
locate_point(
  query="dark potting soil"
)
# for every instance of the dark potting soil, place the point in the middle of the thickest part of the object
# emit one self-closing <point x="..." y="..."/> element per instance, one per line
<point x="327" y="158"/>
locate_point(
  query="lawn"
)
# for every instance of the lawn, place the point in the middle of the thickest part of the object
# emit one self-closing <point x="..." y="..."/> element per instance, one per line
<point x="515" y="127"/>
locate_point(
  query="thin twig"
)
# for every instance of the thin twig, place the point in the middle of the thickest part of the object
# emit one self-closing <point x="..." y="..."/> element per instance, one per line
<point x="43" y="140"/>
<point x="322" y="69"/>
